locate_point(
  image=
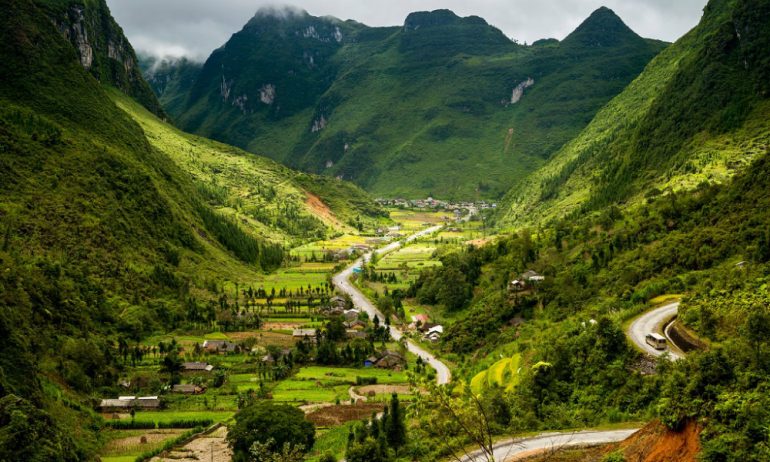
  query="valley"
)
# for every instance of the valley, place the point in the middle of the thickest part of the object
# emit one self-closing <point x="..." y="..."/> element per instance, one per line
<point x="330" y="241"/>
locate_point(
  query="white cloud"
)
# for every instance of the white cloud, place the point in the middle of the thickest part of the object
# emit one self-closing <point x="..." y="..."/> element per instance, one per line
<point x="194" y="28"/>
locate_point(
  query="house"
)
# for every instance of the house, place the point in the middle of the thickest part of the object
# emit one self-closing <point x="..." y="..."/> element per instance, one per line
<point x="124" y="403"/>
<point x="337" y="302"/>
<point x="218" y="346"/>
<point x="434" y="333"/>
<point x="302" y="333"/>
<point x="187" y="389"/>
<point x="421" y="318"/>
<point x="351" y="315"/>
<point x="517" y="285"/>
<point x="197" y="367"/>
<point x="390" y="360"/>
<point x="531" y="276"/>
<point x="352" y="333"/>
<point x="356" y="325"/>
<point x="370" y="361"/>
<point x="437" y="329"/>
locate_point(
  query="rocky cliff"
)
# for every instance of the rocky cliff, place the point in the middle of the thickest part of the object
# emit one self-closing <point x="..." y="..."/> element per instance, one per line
<point x="102" y="47"/>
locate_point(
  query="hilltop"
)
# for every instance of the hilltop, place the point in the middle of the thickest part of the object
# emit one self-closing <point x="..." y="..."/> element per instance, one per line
<point x="443" y="105"/>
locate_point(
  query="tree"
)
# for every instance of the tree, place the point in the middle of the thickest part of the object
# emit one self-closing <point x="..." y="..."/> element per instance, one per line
<point x="262" y="452"/>
<point x="367" y="451"/>
<point x="395" y="429"/>
<point x="335" y="329"/>
<point x="264" y="422"/>
<point x="456" y="417"/>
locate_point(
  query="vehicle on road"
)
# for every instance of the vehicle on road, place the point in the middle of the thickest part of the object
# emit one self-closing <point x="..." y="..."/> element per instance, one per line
<point x="656" y="341"/>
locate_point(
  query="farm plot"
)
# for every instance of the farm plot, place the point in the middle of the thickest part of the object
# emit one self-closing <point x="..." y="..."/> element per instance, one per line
<point x="129" y="444"/>
<point x="348" y="374"/>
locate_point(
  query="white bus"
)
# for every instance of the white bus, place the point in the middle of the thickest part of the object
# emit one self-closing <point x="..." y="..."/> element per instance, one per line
<point x="656" y="341"/>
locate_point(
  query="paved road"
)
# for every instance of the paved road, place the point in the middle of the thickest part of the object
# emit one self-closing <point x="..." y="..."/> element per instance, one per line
<point x="342" y="281"/>
<point x="652" y="321"/>
<point x="510" y="449"/>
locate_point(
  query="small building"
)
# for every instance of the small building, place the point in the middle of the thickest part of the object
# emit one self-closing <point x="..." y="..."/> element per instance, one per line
<point x="187" y="389"/>
<point x="421" y="318"/>
<point x="517" y="285"/>
<point x="124" y="403"/>
<point x="351" y="314"/>
<point x="197" y="367"/>
<point x="218" y="346"/>
<point x="356" y="325"/>
<point x="337" y="302"/>
<point x="531" y="276"/>
<point x="370" y="361"/>
<point x="353" y="334"/>
<point x="390" y="360"/>
<point x="302" y="333"/>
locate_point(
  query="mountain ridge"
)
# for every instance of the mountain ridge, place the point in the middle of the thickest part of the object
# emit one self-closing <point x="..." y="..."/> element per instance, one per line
<point x="468" y="112"/>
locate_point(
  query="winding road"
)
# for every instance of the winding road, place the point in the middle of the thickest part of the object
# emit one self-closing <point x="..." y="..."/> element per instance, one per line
<point x="653" y="321"/>
<point x="510" y="449"/>
<point x="517" y="447"/>
<point x="342" y="281"/>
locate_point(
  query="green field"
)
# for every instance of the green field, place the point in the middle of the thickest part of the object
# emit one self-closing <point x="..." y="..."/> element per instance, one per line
<point x="503" y="373"/>
<point x="348" y="375"/>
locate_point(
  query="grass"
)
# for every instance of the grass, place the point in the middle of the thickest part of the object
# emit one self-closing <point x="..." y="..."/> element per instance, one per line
<point x="259" y="192"/>
<point x="348" y="375"/>
<point x="126" y="443"/>
<point x="503" y="373"/>
<point x="333" y="440"/>
<point x="309" y="391"/>
<point x="170" y="415"/>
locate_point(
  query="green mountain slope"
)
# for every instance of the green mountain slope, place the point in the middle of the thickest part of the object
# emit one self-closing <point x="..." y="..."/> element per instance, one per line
<point x="113" y="229"/>
<point x="443" y="105"/>
<point x="697" y="113"/>
<point x="276" y="202"/>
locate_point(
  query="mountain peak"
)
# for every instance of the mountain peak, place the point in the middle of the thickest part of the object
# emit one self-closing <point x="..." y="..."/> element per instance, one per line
<point x="603" y="28"/>
<point x="281" y="12"/>
<point x="423" y="19"/>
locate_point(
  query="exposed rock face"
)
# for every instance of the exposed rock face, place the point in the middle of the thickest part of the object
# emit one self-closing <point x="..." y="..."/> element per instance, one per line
<point x="102" y="48"/>
<point x="319" y="124"/>
<point x="224" y="88"/>
<point x="267" y="93"/>
<point x="75" y="31"/>
<point x="518" y="92"/>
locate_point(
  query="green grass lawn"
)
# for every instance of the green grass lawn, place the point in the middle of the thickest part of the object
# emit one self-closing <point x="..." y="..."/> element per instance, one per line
<point x="309" y="391"/>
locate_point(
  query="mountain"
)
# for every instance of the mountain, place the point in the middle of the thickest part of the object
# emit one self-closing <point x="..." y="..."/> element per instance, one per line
<point x="169" y="79"/>
<point x="102" y="48"/>
<point x="696" y="114"/>
<point x="443" y="105"/>
<point x="107" y="233"/>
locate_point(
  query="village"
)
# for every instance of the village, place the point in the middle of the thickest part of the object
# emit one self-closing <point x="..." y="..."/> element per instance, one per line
<point x="292" y="339"/>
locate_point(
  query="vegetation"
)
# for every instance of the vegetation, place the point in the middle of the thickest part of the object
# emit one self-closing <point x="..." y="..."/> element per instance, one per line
<point x="696" y="114"/>
<point x="272" y="424"/>
<point x="323" y="101"/>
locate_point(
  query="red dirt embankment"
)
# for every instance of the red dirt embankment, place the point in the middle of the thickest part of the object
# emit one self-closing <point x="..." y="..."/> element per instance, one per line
<point x="656" y="443"/>
<point x="653" y="443"/>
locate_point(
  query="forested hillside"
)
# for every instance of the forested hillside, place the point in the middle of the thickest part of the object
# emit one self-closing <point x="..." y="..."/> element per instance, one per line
<point x="443" y="105"/>
<point x="106" y="233"/>
<point x="553" y="355"/>
<point x="696" y="114"/>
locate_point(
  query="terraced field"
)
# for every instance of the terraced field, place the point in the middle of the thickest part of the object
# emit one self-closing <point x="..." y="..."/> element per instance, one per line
<point x="503" y="373"/>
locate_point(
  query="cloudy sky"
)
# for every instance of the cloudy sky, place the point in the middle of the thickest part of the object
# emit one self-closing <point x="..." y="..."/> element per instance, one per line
<point x="194" y="28"/>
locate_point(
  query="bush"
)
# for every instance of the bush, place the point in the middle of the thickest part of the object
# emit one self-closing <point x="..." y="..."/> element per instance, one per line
<point x="366" y="380"/>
